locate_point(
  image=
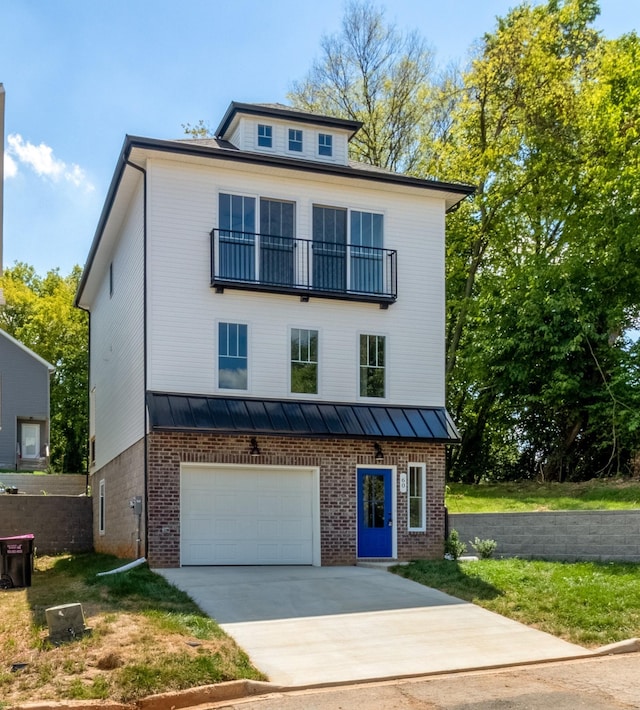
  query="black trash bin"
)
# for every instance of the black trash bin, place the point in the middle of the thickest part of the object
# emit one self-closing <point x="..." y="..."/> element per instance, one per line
<point x="16" y="554"/>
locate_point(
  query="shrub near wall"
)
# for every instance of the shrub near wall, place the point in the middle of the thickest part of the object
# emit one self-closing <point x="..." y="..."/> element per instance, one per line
<point x="590" y="535"/>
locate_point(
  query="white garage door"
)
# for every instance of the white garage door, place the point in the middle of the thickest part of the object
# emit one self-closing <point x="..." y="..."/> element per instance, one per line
<point x="242" y="516"/>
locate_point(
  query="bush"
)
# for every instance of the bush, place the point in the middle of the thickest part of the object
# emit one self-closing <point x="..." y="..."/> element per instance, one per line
<point x="453" y="546"/>
<point x="484" y="548"/>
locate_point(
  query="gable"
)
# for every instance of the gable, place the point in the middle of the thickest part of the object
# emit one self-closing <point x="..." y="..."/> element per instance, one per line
<point x="15" y="349"/>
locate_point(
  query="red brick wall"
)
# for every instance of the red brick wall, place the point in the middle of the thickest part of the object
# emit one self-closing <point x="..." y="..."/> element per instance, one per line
<point x="337" y="460"/>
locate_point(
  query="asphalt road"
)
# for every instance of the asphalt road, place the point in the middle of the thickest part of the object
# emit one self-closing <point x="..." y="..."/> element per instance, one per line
<point x="603" y="683"/>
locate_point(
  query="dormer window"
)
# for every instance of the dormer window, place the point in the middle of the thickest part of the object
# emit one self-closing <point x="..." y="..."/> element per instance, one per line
<point x="265" y="136"/>
<point x="295" y="140"/>
<point x="325" y="144"/>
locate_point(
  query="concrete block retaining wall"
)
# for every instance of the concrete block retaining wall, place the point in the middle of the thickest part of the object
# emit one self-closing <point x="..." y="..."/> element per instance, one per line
<point x="593" y="535"/>
<point x="59" y="523"/>
<point x="67" y="484"/>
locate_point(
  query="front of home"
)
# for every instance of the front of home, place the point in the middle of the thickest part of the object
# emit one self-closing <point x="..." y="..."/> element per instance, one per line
<point x="267" y="346"/>
<point x="24" y="406"/>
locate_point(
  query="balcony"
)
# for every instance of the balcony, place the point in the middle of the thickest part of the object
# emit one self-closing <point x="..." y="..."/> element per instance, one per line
<point x="307" y="268"/>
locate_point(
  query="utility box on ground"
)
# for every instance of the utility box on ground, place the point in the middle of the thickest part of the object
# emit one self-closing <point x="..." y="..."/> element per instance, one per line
<point x="16" y="554"/>
<point x="65" y="622"/>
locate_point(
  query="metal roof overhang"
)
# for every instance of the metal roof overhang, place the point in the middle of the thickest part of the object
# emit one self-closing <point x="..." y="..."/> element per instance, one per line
<point x="239" y="415"/>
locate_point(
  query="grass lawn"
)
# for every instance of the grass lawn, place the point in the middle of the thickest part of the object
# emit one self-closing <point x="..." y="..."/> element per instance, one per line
<point x="524" y="496"/>
<point x="147" y="637"/>
<point x="587" y="603"/>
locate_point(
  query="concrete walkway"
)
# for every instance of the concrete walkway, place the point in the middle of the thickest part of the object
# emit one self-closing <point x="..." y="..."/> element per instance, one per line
<point x="305" y="626"/>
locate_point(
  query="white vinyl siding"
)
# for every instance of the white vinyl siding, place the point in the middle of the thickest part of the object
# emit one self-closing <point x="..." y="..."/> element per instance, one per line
<point x="117" y="350"/>
<point x="183" y="210"/>
<point x="245" y="137"/>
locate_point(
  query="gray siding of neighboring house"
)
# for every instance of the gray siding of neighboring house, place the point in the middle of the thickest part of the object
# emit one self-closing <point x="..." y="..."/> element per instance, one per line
<point x="24" y="396"/>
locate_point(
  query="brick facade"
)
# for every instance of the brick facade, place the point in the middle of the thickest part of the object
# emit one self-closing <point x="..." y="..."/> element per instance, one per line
<point x="123" y="480"/>
<point x="336" y="459"/>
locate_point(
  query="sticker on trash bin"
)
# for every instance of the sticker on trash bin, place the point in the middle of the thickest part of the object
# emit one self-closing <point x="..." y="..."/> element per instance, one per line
<point x="14" y="548"/>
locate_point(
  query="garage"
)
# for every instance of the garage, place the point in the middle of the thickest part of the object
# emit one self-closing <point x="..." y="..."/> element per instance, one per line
<point x="234" y="515"/>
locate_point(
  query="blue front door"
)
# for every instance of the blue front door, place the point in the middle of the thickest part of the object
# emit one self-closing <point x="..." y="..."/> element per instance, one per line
<point x="375" y="524"/>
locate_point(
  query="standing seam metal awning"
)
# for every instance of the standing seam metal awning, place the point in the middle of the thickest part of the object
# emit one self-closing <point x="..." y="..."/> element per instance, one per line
<point x="233" y="415"/>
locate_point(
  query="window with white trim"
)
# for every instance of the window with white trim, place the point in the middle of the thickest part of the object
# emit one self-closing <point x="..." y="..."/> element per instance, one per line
<point x="265" y="136"/>
<point x="372" y="365"/>
<point x="417" y="497"/>
<point x="295" y="140"/>
<point x="101" y="508"/>
<point x="304" y="361"/>
<point x="325" y="144"/>
<point x="232" y="356"/>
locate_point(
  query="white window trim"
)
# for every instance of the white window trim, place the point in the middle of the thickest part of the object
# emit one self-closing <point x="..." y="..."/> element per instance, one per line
<point x="303" y="395"/>
<point x="217" y="358"/>
<point x="288" y="139"/>
<point x="268" y="148"/>
<point x="360" y="397"/>
<point x="102" y="508"/>
<point x="318" y="153"/>
<point x="423" y="502"/>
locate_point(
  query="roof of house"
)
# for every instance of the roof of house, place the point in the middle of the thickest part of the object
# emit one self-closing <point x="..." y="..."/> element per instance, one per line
<point x="243" y="415"/>
<point x="23" y="347"/>
<point x="285" y="112"/>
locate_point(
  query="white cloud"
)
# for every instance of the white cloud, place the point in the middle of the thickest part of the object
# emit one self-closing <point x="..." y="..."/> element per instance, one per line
<point x="41" y="160"/>
<point x="10" y="167"/>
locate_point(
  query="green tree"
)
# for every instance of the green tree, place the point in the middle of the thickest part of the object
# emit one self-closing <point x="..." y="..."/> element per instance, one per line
<point x="39" y="312"/>
<point x="543" y="265"/>
<point x="371" y="72"/>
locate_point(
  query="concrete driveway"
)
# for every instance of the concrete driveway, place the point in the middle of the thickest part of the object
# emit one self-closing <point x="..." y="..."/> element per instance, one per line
<point x="305" y="626"/>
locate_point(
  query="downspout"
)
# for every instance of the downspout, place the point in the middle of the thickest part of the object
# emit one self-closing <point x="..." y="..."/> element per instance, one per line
<point x="144" y="355"/>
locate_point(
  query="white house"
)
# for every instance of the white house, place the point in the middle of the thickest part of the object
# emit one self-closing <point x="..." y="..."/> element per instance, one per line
<point x="267" y="349"/>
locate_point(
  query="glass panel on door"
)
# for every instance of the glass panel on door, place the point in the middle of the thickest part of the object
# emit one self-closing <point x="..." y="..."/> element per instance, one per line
<point x="276" y="242"/>
<point x="329" y="249"/>
<point x="237" y="219"/>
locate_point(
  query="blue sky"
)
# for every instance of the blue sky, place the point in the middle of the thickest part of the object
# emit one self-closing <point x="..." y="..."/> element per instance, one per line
<point x="81" y="74"/>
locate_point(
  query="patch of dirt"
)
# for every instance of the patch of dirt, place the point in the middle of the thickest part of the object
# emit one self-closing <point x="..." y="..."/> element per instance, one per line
<point x="116" y="640"/>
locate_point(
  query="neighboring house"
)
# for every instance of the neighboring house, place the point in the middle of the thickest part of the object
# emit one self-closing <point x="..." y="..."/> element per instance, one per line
<point x="267" y="349"/>
<point x="24" y="406"/>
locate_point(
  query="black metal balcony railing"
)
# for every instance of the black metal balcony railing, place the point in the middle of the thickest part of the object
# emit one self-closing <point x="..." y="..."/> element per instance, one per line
<point x="307" y="267"/>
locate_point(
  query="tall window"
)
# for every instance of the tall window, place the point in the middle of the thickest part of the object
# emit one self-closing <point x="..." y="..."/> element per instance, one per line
<point x="101" y="508"/>
<point x="372" y="365"/>
<point x="295" y="140"/>
<point x="304" y="361"/>
<point x="325" y="144"/>
<point x="329" y="248"/>
<point x="237" y="219"/>
<point x="417" y="496"/>
<point x="366" y="251"/>
<point x="232" y="356"/>
<point x="277" y="230"/>
<point x="265" y="136"/>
